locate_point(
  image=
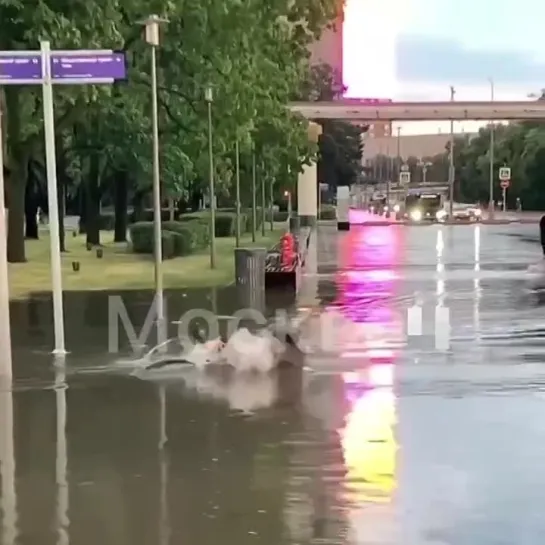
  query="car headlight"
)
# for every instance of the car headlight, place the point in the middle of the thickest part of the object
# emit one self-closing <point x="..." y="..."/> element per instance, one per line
<point x="416" y="215"/>
<point x="396" y="208"/>
<point x="478" y="212"/>
<point x="441" y="215"/>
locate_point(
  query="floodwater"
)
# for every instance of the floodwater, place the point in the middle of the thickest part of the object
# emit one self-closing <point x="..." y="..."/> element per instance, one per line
<point x="419" y="421"/>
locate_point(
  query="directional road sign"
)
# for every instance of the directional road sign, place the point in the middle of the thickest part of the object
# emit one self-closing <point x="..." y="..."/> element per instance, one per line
<point x="505" y="173"/>
<point x="47" y="68"/>
<point x="17" y="69"/>
<point x="68" y="67"/>
<point x="404" y="168"/>
<point x="404" y="178"/>
<point x="87" y="67"/>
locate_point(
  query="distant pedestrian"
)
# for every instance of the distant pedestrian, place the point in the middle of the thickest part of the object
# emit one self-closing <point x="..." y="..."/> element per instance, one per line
<point x="519" y="205"/>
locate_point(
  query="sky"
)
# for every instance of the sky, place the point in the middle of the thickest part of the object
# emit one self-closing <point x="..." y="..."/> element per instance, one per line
<point x="417" y="49"/>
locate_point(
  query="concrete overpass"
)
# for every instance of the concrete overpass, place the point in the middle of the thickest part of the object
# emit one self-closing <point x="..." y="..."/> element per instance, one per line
<point x="368" y="111"/>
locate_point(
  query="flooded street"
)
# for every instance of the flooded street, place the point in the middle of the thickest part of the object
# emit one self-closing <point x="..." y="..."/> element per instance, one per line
<point x="418" y="421"/>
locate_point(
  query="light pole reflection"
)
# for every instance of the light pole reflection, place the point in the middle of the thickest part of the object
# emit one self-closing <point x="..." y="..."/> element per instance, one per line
<point x="164" y="522"/>
<point x="8" y="494"/>
<point x="366" y="289"/>
<point x="366" y="286"/>
<point x="61" y="467"/>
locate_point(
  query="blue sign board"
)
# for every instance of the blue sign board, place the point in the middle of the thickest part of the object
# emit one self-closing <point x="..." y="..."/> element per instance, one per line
<point x="67" y="67"/>
<point x="88" y="67"/>
<point x="18" y="69"/>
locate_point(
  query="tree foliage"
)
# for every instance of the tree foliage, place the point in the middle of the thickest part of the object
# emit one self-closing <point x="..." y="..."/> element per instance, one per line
<point x="252" y="54"/>
<point x="340" y="147"/>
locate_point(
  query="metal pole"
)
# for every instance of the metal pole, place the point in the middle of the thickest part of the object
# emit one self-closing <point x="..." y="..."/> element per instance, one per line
<point x="263" y="201"/>
<point x="158" y="251"/>
<point x="254" y="206"/>
<point x="491" y="170"/>
<point x="451" y="161"/>
<point x="5" y="331"/>
<point x="504" y="197"/>
<point x="8" y="490"/>
<point x="212" y="191"/>
<point x="237" y="177"/>
<point x="51" y="168"/>
<point x="271" y="205"/>
<point x="289" y="207"/>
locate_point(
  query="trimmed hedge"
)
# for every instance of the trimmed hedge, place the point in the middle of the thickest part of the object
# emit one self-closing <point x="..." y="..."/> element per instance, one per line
<point x="147" y="215"/>
<point x="225" y="221"/>
<point x="143" y="243"/>
<point x="196" y="234"/>
<point x="177" y="239"/>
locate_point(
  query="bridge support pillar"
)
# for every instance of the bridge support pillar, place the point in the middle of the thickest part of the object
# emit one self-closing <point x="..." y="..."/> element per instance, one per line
<point x="307" y="195"/>
<point x="307" y="185"/>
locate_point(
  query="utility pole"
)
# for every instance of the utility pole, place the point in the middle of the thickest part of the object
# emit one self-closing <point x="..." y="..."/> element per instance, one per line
<point x="491" y="172"/>
<point x="451" y="160"/>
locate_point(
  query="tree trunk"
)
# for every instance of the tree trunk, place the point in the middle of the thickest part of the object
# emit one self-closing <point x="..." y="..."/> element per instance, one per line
<point x="31" y="211"/>
<point x="82" y="192"/>
<point x="18" y="164"/>
<point x="121" y="198"/>
<point x="138" y="206"/>
<point x="92" y="201"/>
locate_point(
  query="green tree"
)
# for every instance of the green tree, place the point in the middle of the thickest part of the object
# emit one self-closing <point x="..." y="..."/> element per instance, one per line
<point x="340" y="145"/>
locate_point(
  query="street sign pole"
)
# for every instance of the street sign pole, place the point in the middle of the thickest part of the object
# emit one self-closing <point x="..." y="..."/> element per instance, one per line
<point x="5" y="332"/>
<point x="505" y="180"/>
<point x="51" y="168"/>
<point x="48" y="68"/>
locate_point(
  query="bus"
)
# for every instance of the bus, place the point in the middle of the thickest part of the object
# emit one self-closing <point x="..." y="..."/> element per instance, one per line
<point x="424" y="206"/>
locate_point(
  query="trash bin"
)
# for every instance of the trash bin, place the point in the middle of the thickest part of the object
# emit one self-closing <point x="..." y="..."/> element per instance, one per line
<point x="250" y="276"/>
<point x="294" y="224"/>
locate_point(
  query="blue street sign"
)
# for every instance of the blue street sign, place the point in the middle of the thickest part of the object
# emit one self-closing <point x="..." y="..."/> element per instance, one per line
<point x="87" y="67"/>
<point x="20" y="69"/>
<point x="70" y="67"/>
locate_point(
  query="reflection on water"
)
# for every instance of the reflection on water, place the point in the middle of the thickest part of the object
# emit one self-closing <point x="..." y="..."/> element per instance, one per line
<point x="366" y="288"/>
<point x="281" y="459"/>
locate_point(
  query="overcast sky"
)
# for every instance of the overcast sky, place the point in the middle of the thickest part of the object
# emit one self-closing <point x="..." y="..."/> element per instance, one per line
<point x="416" y="49"/>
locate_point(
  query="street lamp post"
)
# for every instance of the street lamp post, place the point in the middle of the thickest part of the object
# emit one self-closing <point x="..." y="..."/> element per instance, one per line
<point x="208" y="97"/>
<point x="237" y="177"/>
<point x="451" y="161"/>
<point x="151" y="25"/>
<point x="263" y="201"/>
<point x="491" y="170"/>
<point x="254" y="204"/>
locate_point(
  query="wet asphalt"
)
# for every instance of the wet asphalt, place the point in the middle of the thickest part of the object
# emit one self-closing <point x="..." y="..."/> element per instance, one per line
<point x="418" y="420"/>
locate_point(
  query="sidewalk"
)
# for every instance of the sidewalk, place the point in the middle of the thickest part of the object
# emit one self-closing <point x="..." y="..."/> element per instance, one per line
<point x="516" y="217"/>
